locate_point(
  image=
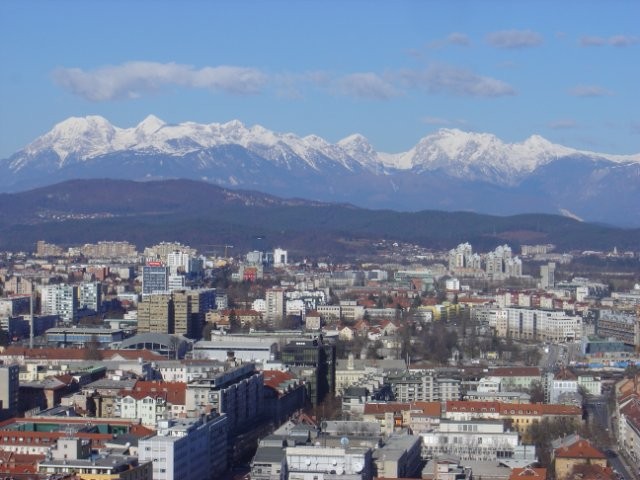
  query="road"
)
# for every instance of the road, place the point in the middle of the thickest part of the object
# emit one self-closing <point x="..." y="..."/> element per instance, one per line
<point x="598" y="410"/>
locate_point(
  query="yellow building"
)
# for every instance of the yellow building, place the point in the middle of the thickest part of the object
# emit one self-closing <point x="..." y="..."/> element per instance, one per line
<point x="581" y="452"/>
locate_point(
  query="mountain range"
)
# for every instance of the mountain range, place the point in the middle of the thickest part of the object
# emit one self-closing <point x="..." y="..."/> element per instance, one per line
<point x="200" y="214"/>
<point x="447" y="170"/>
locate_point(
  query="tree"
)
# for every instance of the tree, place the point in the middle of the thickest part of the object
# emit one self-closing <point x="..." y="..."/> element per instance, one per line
<point x="536" y="392"/>
<point x="92" y="349"/>
<point x="206" y="331"/>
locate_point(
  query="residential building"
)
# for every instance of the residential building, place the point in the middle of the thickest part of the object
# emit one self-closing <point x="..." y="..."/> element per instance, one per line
<point x="9" y="390"/>
<point x="578" y="452"/>
<point x="274" y="307"/>
<point x="61" y="300"/>
<point x="73" y="455"/>
<point x="90" y="296"/>
<point x="187" y="448"/>
<point x="423" y="386"/>
<point x="156" y="313"/>
<point x="536" y="324"/>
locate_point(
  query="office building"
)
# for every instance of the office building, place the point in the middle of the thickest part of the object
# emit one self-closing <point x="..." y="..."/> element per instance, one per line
<point x="155" y="278"/>
<point x="320" y="359"/>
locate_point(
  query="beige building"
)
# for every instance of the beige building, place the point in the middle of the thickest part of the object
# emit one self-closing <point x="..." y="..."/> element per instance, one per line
<point x="580" y="452"/>
<point x="156" y="314"/>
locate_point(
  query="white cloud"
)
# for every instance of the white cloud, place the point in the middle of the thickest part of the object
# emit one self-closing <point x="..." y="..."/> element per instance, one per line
<point x="456" y="81"/>
<point x="514" y="39"/>
<point x="614" y="41"/>
<point x="623" y="40"/>
<point x="366" y="85"/>
<point x="457" y="38"/>
<point x="564" y="123"/>
<point x="132" y="79"/>
<point x="589" y="91"/>
<point x="454" y="38"/>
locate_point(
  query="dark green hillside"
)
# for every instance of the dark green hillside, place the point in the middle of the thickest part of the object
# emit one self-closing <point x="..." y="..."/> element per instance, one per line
<point x="202" y="214"/>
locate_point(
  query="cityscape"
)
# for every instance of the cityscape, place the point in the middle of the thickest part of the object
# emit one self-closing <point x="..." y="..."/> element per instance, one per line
<point x="337" y="240"/>
<point x="167" y="363"/>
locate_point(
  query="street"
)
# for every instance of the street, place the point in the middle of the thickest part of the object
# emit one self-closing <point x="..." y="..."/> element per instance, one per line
<point x="598" y="411"/>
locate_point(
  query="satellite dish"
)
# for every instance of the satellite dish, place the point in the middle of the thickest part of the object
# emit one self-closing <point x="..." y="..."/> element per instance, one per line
<point x="358" y="466"/>
<point x="340" y="470"/>
<point x="307" y="461"/>
<point x="344" y="441"/>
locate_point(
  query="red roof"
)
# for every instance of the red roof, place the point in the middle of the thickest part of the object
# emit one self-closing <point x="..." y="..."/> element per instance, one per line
<point x="275" y="378"/>
<point x="173" y="392"/>
<point x="512" y="408"/>
<point x="580" y="449"/>
<point x="528" y="473"/>
<point x="389" y="407"/>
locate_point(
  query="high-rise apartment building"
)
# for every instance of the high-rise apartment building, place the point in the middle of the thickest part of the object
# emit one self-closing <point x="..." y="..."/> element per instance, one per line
<point x="9" y="387"/>
<point x="274" y="300"/>
<point x="280" y="257"/>
<point x="61" y="300"/>
<point x="178" y="262"/>
<point x="90" y="295"/>
<point x="156" y="314"/>
<point x="548" y="275"/>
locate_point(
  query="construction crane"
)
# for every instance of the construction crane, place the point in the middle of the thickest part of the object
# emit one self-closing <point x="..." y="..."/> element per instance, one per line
<point x="226" y="248"/>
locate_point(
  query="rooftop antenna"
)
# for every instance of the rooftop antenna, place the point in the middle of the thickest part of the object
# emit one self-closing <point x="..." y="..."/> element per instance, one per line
<point x="31" y="314"/>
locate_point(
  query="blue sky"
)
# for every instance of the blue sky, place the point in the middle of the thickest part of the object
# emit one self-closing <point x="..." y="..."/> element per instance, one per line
<point x="393" y="71"/>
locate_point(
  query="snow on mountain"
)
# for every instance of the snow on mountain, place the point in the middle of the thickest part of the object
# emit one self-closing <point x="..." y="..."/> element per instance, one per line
<point x="465" y="155"/>
<point x="477" y="155"/>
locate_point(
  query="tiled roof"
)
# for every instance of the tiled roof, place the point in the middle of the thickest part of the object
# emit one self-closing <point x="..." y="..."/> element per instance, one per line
<point x="389" y="407"/>
<point x="275" y="378"/>
<point x="173" y="392"/>
<point x="432" y="409"/>
<point x="580" y="449"/>
<point x="528" y="473"/>
<point x="511" y="408"/>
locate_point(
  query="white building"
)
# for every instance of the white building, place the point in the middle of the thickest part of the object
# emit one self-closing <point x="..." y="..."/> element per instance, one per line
<point x="471" y="440"/>
<point x="535" y="324"/>
<point x="280" y="257"/>
<point x="329" y="463"/>
<point x="244" y="348"/>
<point x="90" y="295"/>
<point x="178" y="262"/>
<point x="60" y="300"/>
<point x="187" y="448"/>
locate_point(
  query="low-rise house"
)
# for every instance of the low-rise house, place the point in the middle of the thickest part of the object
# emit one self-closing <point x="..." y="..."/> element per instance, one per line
<point x="576" y="451"/>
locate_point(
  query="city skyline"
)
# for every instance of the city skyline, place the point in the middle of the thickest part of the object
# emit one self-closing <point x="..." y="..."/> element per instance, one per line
<point x="392" y="72"/>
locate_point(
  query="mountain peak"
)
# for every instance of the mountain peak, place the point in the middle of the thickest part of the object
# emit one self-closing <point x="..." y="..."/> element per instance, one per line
<point x="150" y="124"/>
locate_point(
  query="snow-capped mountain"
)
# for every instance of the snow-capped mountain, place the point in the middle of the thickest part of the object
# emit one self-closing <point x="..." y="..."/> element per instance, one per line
<point x="448" y="169"/>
